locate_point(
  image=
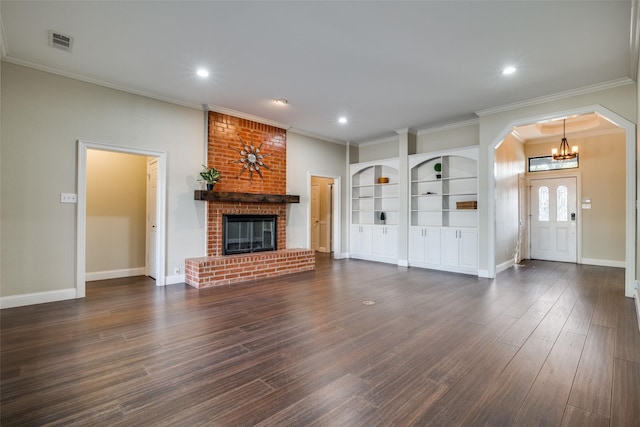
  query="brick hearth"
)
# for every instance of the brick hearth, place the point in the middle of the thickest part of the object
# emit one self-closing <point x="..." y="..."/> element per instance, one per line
<point x="225" y="270"/>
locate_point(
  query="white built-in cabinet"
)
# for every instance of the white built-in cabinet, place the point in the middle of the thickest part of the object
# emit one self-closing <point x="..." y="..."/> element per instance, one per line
<point x="424" y="246"/>
<point x="459" y="248"/>
<point x="443" y="214"/>
<point x="443" y="223"/>
<point x="374" y="211"/>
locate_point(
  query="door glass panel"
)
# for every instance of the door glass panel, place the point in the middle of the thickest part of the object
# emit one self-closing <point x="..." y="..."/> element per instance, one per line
<point x="543" y="204"/>
<point x="562" y="209"/>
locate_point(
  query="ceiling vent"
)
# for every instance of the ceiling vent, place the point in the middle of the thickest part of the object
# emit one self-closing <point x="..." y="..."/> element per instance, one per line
<point x="60" y="41"/>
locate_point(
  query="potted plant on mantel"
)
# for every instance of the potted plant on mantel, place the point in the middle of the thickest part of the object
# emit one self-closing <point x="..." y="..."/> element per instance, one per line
<point x="210" y="175"/>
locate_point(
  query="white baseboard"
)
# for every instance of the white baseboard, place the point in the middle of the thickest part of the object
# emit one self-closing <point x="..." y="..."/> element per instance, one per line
<point x="403" y="263"/>
<point x="340" y="255"/>
<point x="505" y="265"/>
<point x="484" y="274"/>
<point x="603" y="262"/>
<point x="114" y="274"/>
<point x="174" y="280"/>
<point x="37" y="298"/>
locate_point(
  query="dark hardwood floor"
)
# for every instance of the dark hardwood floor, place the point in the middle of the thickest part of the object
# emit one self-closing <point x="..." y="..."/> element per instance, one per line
<point x="543" y="344"/>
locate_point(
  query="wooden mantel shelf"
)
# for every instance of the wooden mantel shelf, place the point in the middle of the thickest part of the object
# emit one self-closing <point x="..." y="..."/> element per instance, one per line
<point x="221" y="196"/>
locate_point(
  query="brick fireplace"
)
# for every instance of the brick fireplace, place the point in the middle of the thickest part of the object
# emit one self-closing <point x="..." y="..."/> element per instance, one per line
<point x="228" y="137"/>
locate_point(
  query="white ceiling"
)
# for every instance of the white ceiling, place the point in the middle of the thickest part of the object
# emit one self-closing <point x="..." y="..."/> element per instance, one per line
<point x="386" y="65"/>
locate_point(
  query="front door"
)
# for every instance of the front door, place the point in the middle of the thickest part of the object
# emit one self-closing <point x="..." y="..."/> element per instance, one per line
<point x="553" y="219"/>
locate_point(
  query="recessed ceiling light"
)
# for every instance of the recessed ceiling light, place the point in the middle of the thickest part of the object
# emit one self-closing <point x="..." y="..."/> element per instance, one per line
<point x="509" y="70"/>
<point x="342" y="120"/>
<point x="282" y="101"/>
<point x="202" y="72"/>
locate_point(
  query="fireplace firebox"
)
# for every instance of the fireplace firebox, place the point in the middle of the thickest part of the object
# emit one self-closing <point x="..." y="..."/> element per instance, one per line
<point x="249" y="233"/>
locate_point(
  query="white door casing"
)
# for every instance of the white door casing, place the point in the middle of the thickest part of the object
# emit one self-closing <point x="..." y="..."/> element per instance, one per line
<point x="81" y="209"/>
<point x="151" y="223"/>
<point x="554" y="218"/>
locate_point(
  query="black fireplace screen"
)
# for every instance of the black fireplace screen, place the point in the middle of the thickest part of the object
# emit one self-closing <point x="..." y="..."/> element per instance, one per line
<point x="249" y="233"/>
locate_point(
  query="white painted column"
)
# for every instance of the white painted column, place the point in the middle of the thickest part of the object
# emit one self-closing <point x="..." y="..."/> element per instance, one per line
<point x="406" y="145"/>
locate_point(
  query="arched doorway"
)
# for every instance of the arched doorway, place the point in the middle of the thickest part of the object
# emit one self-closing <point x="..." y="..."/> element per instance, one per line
<point x="630" y="191"/>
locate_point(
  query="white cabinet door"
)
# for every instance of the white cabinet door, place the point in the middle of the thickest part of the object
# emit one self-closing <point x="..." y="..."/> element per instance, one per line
<point x="385" y="241"/>
<point x="361" y="239"/>
<point x="417" y="245"/>
<point x="432" y="252"/>
<point x="449" y="249"/>
<point x="391" y="241"/>
<point x="425" y="246"/>
<point x="468" y="248"/>
<point x="460" y="248"/>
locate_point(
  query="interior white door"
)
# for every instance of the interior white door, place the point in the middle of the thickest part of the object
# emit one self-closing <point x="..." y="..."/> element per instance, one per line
<point x="152" y="191"/>
<point x="553" y="218"/>
<point x="315" y="217"/>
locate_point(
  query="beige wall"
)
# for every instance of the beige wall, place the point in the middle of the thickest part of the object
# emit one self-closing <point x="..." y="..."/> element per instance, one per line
<point x="379" y="150"/>
<point x="603" y="174"/>
<point x="308" y="156"/>
<point x="446" y="139"/>
<point x="43" y="116"/>
<point x="116" y="211"/>
<point x="510" y="161"/>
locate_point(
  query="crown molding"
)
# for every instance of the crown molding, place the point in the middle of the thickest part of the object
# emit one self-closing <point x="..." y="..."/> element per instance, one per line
<point x="634" y="40"/>
<point x="449" y="126"/>
<point x="102" y="83"/>
<point x="556" y="96"/>
<point x="246" y="116"/>
<point x="316" y="136"/>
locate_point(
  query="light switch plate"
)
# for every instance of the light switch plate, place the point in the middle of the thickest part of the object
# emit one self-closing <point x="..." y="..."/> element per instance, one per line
<point x="68" y="198"/>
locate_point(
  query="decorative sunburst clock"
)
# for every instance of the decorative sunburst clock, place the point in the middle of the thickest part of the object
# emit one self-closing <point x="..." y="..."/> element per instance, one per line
<point x="250" y="159"/>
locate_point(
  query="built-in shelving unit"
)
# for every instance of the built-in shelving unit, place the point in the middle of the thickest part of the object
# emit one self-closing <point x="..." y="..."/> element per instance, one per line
<point x="443" y="210"/>
<point x="374" y="210"/>
<point x="442" y="224"/>
<point x="370" y="197"/>
<point x="447" y="198"/>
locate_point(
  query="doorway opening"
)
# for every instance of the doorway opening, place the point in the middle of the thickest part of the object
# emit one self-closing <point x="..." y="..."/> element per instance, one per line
<point x="621" y="125"/>
<point x="153" y="226"/>
<point x="120" y="219"/>
<point x="321" y="220"/>
<point x="332" y="201"/>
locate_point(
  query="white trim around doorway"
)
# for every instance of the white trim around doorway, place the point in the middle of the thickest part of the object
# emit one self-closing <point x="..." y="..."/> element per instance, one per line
<point x="335" y="214"/>
<point x="81" y="209"/>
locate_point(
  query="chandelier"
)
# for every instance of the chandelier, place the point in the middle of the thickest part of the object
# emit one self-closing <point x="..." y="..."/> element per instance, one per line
<point x="563" y="153"/>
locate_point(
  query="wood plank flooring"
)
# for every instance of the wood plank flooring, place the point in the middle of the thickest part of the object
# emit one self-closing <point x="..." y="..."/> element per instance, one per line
<point x="542" y="344"/>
